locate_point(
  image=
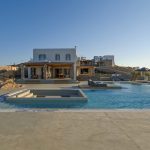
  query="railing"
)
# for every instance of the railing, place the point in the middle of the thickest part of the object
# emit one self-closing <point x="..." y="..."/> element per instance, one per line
<point x="86" y="65"/>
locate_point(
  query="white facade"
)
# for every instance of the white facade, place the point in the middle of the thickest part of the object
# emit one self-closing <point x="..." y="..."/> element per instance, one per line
<point x="105" y="57"/>
<point x="50" y="55"/>
<point x="51" y="64"/>
<point x="97" y="58"/>
<point x="109" y="57"/>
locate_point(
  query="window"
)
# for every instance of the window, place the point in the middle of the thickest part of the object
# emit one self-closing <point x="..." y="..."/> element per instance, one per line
<point x="68" y="57"/>
<point x="84" y="71"/>
<point x="42" y="57"/>
<point x="57" y="57"/>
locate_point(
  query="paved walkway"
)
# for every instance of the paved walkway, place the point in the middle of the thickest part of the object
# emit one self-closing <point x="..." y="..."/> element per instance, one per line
<point x="116" y="130"/>
<point x="41" y="86"/>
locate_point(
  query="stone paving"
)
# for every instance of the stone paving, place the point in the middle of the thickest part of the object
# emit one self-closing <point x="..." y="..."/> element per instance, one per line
<point x="42" y="86"/>
<point x="58" y="130"/>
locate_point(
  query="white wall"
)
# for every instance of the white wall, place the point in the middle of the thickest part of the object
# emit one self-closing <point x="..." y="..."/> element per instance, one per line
<point x="105" y="57"/>
<point x="50" y="54"/>
<point x="108" y="57"/>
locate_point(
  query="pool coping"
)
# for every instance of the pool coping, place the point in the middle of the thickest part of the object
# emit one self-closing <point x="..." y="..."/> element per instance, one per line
<point x="70" y="109"/>
<point x="10" y="99"/>
<point x="73" y="110"/>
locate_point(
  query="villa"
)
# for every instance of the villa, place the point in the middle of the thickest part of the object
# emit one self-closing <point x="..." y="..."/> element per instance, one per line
<point x="50" y="64"/>
<point x="104" y="61"/>
<point x="85" y="67"/>
<point x="62" y="63"/>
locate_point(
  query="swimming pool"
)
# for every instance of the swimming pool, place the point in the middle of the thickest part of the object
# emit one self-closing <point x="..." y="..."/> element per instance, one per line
<point x="130" y="96"/>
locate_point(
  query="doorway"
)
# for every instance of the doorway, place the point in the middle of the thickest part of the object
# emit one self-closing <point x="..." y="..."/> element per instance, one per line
<point x="58" y="72"/>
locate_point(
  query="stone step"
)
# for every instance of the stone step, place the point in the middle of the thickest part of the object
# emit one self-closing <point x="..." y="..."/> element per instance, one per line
<point x="14" y="94"/>
<point x="29" y="95"/>
<point x="22" y="94"/>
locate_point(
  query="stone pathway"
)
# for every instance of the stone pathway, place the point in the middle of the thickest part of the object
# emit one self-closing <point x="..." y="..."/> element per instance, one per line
<point x="116" y="130"/>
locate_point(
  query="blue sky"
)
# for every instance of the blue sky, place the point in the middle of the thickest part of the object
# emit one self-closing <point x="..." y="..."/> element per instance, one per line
<point x="96" y="27"/>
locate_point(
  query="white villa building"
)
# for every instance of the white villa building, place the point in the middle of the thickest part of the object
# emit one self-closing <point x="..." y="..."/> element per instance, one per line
<point x="50" y="64"/>
<point x="105" y="58"/>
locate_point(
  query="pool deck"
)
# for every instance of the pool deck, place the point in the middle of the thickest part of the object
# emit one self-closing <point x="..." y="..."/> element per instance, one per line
<point x="74" y="129"/>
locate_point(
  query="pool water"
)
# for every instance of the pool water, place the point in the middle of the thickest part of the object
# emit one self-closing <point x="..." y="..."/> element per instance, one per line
<point x="130" y="96"/>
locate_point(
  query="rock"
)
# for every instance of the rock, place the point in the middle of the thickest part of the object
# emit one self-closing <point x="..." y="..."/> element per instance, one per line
<point x="10" y="84"/>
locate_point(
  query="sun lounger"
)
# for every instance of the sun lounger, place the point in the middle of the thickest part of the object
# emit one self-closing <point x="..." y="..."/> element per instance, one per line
<point x="96" y="83"/>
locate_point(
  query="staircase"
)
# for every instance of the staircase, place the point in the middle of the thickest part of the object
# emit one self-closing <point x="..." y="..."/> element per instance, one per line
<point x="24" y="94"/>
